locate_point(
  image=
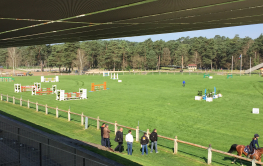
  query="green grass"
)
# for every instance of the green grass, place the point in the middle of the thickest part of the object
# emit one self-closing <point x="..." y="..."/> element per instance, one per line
<point x="73" y="130"/>
<point x="160" y="101"/>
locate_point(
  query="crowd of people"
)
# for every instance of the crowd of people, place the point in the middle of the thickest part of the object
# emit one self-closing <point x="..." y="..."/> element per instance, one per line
<point x="105" y="140"/>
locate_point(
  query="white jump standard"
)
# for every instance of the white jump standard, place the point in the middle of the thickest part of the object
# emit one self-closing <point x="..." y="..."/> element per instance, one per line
<point x="17" y="88"/>
<point x="43" y="79"/>
<point x="37" y="85"/>
<point x="106" y="74"/>
<point x="114" y="78"/>
<point x="61" y="95"/>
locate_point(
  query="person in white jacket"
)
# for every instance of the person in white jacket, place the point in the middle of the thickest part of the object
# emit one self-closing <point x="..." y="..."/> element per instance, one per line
<point x="129" y="140"/>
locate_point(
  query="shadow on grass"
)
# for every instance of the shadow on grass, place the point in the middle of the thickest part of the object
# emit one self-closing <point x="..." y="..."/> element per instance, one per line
<point x="230" y="159"/>
<point x="94" y="149"/>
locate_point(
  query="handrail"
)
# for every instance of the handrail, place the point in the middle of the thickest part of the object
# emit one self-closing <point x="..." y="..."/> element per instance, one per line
<point x="106" y="122"/>
<point x="89" y="117"/>
<point x="126" y="127"/>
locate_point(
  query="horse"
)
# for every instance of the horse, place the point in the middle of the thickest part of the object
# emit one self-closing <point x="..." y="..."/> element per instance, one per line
<point x="240" y="151"/>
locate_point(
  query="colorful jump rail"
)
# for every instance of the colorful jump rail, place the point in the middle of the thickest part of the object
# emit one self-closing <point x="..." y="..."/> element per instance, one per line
<point x="55" y="79"/>
<point x="98" y="87"/>
<point x="44" y="91"/>
<point x="7" y="79"/>
<point x="61" y="95"/>
<point x="116" y="125"/>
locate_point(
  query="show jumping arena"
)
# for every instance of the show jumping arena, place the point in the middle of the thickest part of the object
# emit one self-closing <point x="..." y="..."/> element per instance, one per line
<point x="158" y="100"/>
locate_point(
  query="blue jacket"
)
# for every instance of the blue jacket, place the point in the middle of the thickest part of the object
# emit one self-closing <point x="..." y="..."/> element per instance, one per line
<point x="183" y="82"/>
<point x="253" y="143"/>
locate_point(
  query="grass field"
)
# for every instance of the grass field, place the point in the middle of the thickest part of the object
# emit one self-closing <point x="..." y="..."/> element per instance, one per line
<point x="160" y="101"/>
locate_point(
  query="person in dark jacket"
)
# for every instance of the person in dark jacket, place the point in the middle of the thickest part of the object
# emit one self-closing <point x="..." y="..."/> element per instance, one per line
<point x="101" y="133"/>
<point x="252" y="144"/>
<point x="119" y="139"/>
<point x="144" y="143"/>
<point x="154" y="138"/>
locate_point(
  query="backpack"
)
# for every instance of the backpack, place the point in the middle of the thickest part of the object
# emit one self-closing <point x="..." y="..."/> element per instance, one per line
<point x="151" y="137"/>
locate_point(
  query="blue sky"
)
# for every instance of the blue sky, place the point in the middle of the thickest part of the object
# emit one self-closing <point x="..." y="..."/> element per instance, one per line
<point x="252" y="31"/>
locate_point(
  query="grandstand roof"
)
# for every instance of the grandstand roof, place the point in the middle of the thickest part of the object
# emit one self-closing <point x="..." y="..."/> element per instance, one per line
<point x="32" y="22"/>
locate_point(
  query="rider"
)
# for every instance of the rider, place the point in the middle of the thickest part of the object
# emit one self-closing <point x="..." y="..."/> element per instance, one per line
<point x="252" y="144"/>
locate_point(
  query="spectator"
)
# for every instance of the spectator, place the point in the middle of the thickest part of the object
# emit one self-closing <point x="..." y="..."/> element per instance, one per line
<point x="129" y="140"/>
<point x="144" y="143"/>
<point x="101" y="133"/>
<point x="153" y="138"/>
<point x="106" y="136"/>
<point x="119" y="139"/>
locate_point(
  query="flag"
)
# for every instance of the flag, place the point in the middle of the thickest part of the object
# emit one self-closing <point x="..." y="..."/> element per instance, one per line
<point x="240" y="56"/>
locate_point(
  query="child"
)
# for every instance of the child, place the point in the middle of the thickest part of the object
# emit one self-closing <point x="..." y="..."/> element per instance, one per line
<point x="183" y="83"/>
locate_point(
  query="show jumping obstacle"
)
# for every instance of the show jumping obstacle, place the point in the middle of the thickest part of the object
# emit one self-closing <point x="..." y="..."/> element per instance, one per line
<point x="61" y="95"/>
<point x="44" y="91"/>
<point x="7" y="79"/>
<point x="230" y="76"/>
<point x="106" y="74"/>
<point x="27" y="88"/>
<point x="98" y="87"/>
<point x="206" y="75"/>
<point x="43" y="79"/>
<point x="19" y="88"/>
<point x="114" y="78"/>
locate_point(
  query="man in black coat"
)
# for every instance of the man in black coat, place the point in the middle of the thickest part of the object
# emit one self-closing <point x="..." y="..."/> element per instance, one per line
<point x="144" y="143"/>
<point x="119" y="139"/>
<point x="101" y="133"/>
<point x="154" y="138"/>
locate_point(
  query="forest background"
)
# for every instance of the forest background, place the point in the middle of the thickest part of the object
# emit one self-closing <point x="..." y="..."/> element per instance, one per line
<point x="214" y="53"/>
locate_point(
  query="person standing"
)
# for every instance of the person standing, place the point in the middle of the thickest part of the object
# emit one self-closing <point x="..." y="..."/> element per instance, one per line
<point x="101" y="133"/>
<point x="144" y="143"/>
<point x="252" y="144"/>
<point x="183" y="83"/>
<point x="129" y="140"/>
<point x="119" y="139"/>
<point x="106" y="136"/>
<point x="154" y="138"/>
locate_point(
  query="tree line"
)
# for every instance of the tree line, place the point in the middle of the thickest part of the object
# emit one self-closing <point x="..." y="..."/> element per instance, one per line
<point x="213" y="53"/>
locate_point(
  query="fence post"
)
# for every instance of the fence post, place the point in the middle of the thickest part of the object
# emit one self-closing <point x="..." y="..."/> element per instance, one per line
<point x="28" y="105"/>
<point x="57" y="112"/>
<point x="1" y="97"/>
<point x="21" y="101"/>
<point x="81" y="119"/>
<point x="137" y="134"/>
<point x="46" y="110"/>
<point x="98" y="123"/>
<point x="14" y="100"/>
<point x="115" y="127"/>
<point x="148" y="133"/>
<point x="254" y="162"/>
<point x="36" y="106"/>
<point x="7" y="98"/>
<point x="68" y="114"/>
<point x="175" y="145"/>
<point x="86" y="122"/>
<point x="209" y="158"/>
